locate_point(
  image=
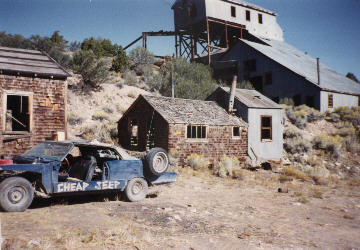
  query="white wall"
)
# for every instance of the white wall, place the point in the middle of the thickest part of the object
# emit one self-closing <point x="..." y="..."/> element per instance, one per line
<point x="222" y="10"/>
<point x="270" y="150"/>
<point x="338" y="100"/>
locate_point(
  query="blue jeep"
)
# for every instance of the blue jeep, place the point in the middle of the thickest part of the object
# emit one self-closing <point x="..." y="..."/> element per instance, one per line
<point x="70" y="167"/>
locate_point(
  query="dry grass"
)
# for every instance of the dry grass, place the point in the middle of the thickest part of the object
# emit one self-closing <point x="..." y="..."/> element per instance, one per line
<point x="295" y="172"/>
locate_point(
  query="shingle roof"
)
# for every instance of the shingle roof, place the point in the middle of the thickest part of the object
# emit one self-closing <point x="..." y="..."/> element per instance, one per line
<point x="253" y="99"/>
<point x="306" y="66"/>
<point x="184" y="111"/>
<point x="29" y="62"/>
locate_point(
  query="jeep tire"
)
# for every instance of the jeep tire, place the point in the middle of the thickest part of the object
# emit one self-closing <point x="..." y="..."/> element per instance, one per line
<point x="16" y="194"/>
<point x="136" y="189"/>
<point x="157" y="161"/>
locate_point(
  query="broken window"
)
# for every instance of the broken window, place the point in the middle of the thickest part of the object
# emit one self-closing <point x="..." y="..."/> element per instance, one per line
<point x="260" y="18"/>
<point x="134" y="132"/>
<point x="268" y="78"/>
<point x="194" y="132"/>
<point x="250" y="65"/>
<point x="330" y="101"/>
<point x="233" y="11"/>
<point x="266" y="128"/>
<point x="236" y="131"/>
<point x="248" y="15"/>
<point x="17" y="113"/>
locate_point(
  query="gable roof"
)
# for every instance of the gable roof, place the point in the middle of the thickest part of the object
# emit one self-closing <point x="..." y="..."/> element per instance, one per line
<point x="305" y="66"/>
<point x="185" y="111"/>
<point x="253" y="99"/>
<point x="31" y="62"/>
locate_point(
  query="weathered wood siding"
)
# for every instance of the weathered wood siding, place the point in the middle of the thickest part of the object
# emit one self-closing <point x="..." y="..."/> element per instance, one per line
<point x="48" y="105"/>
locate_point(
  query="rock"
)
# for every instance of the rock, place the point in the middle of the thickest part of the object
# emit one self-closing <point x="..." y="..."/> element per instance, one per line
<point x="34" y="243"/>
<point x="177" y="217"/>
<point x="283" y="190"/>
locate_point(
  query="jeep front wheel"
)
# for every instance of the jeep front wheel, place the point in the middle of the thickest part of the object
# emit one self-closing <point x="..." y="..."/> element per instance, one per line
<point x="136" y="189"/>
<point x="16" y="194"/>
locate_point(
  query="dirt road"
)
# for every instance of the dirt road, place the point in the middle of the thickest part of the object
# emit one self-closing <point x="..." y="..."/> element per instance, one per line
<point x="199" y="211"/>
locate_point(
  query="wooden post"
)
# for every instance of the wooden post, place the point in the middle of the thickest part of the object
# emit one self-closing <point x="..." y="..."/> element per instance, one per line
<point x="208" y="40"/>
<point x="227" y="35"/>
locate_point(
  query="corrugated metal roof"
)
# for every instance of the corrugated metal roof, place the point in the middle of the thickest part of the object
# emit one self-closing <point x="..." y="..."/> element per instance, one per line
<point x="29" y="62"/>
<point x="184" y="111"/>
<point x="253" y="99"/>
<point x="306" y="66"/>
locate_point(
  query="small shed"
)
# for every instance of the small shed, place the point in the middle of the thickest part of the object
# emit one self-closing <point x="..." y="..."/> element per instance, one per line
<point x="264" y="117"/>
<point x="32" y="99"/>
<point x="186" y="126"/>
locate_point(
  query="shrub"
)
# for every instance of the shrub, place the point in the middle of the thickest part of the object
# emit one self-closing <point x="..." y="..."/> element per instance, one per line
<point x="93" y="71"/>
<point x="120" y="62"/>
<point x="329" y="144"/>
<point x="141" y="56"/>
<point x="196" y="162"/>
<point x="246" y="85"/>
<point x="191" y="80"/>
<point x="100" y="47"/>
<point x="345" y="113"/>
<point x="88" y="133"/>
<point x="300" y="115"/>
<point x="74" y="118"/>
<point x="296" y="145"/>
<point x="108" y="132"/>
<point x="108" y="110"/>
<point x="352" y="145"/>
<point x="291" y="133"/>
<point x="294" y="172"/>
<point x="347" y="131"/>
<point x="100" y="115"/>
<point x="130" y="78"/>
<point x="226" y="166"/>
<point x="287" y="101"/>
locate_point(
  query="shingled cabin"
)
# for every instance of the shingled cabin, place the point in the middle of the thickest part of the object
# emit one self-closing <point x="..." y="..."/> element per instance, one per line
<point x="187" y="126"/>
<point x="32" y="100"/>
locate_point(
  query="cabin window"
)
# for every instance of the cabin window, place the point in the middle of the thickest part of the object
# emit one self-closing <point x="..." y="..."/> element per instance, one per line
<point x="18" y="112"/>
<point x="134" y="133"/>
<point x="266" y="128"/>
<point x="248" y="15"/>
<point x="196" y="132"/>
<point x="330" y="101"/>
<point x="250" y="65"/>
<point x="236" y="131"/>
<point x="260" y="18"/>
<point x="233" y="11"/>
<point x="268" y="78"/>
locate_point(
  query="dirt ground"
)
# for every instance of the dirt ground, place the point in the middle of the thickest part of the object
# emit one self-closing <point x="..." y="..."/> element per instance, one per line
<point x="199" y="211"/>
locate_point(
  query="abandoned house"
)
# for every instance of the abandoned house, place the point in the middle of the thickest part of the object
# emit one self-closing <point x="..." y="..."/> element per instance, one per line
<point x="32" y="100"/>
<point x="185" y="126"/>
<point x="240" y="38"/>
<point x="264" y="117"/>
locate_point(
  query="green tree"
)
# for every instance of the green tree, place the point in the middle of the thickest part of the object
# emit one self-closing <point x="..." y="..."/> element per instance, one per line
<point x="352" y="77"/>
<point x="191" y="80"/>
<point x="141" y="56"/>
<point x="121" y="61"/>
<point x="94" y="71"/>
<point x="58" y="40"/>
<point x="100" y="47"/>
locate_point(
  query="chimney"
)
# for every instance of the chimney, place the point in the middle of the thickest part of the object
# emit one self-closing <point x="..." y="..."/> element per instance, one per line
<point x="318" y="69"/>
<point x="232" y="94"/>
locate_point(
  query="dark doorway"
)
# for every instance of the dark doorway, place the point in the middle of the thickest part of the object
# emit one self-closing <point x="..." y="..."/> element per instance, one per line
<point x="257" y="82"/>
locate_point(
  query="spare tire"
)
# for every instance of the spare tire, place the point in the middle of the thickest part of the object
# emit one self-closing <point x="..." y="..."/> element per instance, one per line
<point x="157" y="161"/>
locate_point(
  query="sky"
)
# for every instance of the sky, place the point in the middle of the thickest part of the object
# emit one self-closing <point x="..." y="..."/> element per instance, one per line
<point x="328" y="29"/>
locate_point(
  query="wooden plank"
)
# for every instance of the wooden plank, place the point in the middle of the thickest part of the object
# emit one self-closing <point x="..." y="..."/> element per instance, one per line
<point x="23" y="56"/>
<point x="32" y="69"/>
<point x="27" y="62"/>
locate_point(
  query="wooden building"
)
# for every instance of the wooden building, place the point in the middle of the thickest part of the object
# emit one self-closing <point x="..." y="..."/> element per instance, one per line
<point x="32" y="100"/>
<point x="188" y="126"/>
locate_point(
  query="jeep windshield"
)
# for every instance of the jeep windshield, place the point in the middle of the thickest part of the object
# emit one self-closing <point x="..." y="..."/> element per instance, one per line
<point x="48" y="151"/>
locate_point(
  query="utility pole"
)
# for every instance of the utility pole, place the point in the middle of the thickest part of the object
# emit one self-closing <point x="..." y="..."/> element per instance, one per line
<point x="172" y="78"/>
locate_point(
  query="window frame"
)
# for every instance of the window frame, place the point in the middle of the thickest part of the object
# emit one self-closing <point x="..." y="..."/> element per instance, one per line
<point x="196" y="126"/>
<point x="233" y="11"/>
<point x="248" y="15"/>
<point x="330" y="101"/>
<point x="30" y="95"/>
<point x="267" y="128"/>
<point x="236" y="136"/>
